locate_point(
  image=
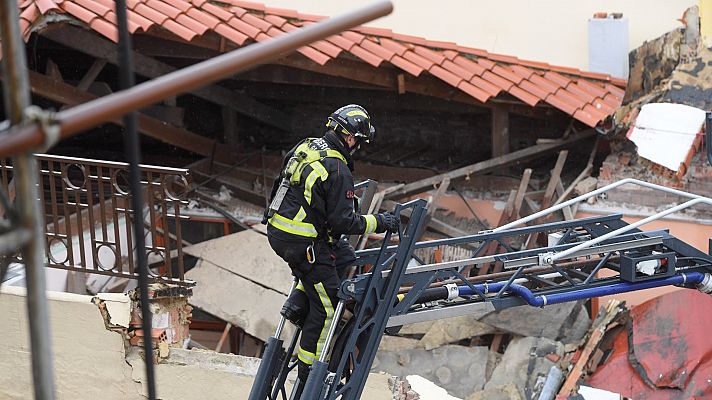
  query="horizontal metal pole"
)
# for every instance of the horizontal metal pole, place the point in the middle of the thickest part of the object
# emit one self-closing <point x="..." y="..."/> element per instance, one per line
<point x="588" y="251"/>
<point x="696" y="200"/>
<point x="596" y="192"/>
<point x="76" y="119"/>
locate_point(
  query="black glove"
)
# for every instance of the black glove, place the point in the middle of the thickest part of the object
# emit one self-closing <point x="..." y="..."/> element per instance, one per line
<point x="387" y="222"/>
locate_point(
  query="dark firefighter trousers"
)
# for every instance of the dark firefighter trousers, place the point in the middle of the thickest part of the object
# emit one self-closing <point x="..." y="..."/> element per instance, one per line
<point x="320" y="282"/>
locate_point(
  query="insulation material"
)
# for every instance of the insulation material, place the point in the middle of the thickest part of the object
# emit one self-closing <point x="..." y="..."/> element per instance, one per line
<point x="665" y="133"/>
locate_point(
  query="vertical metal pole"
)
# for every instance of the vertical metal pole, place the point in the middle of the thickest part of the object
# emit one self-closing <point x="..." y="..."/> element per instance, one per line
<point x="30" y="216"/>
<point x="132" y="150"/>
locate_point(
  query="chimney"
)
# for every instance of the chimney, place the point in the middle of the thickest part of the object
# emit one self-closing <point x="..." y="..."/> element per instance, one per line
<point x="608" y="44"/>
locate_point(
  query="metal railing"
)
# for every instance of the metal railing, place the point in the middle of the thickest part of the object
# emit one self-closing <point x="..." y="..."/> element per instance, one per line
<point x="88" y="217"/>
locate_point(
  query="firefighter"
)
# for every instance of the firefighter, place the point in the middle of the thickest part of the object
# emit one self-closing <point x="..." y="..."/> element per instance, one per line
<point x="312" y="207"/>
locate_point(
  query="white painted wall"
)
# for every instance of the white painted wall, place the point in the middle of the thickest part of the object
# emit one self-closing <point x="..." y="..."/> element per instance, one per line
<point x="554" y="31"/>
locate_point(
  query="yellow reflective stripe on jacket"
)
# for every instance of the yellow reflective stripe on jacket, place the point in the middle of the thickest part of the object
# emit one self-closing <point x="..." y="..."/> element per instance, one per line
<point x="293" y="227"/>
<point x="301" y="214"/>
<point x="318" y="171"/>
<point x="300" y="286"/>
<point x="306" y="357"/>
<point x="326" y="302"/>
<point x="370" y="223"/>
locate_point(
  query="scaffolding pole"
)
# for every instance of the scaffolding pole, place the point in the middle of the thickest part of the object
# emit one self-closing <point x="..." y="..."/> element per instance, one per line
<point x="73" y="120"/>
<point x="29" y="214"/>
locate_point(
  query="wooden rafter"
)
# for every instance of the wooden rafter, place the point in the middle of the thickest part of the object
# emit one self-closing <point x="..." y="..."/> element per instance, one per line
<point x="95" y="46"/>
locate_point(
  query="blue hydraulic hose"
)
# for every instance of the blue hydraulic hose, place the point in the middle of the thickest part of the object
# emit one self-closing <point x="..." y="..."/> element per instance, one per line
<point x="584" y="293"/>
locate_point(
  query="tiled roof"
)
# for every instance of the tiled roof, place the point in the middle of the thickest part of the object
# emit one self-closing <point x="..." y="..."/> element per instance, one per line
<point x="588" y="97"/>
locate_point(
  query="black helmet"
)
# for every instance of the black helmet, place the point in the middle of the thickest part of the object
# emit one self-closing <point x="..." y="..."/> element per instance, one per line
<point x="352" y="120"/>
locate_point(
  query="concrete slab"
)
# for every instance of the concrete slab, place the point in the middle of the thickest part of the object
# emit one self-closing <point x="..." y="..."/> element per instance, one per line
<point x="248" y="255"/>
<point x="237" y="300"/>
<point x="458" y="369"/>
<point x="557" y="321"/>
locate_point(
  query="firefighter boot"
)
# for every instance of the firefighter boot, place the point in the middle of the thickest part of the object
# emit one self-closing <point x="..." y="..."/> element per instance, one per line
<point x="296" y="307"/>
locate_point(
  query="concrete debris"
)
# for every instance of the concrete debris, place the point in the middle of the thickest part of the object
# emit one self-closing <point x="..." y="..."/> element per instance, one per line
<point x="458" y="369"/>
<point x="585" y="186"/>
<point x="402" y="389"/>
<point x="507" y="391"/>
<point x="453" y="330"/>
<point x="567" y="322"/>
<point x="397" y="343"/>
<point x="427" y="390"/>
<point x="524" y="361"/>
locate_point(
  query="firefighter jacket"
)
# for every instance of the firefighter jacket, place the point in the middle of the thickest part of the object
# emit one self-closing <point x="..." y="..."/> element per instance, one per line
<point x="326" y="186"/>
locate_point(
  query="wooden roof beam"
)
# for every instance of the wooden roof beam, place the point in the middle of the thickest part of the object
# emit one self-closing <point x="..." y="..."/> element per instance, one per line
<point x="90" y="43"/>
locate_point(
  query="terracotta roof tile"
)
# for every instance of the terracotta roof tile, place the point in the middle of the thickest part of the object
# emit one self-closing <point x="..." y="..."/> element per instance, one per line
<point x="164" y="8"/>
<point x="150" y="13"/>
<point x="485" y="63"/>
<point x="503" y="58"/>
<point x="497" y="80"/>
<point x="488" y="87"/>
<point x="182" y="5"/>
<point x="192" y="24"/>
<point x="276" y="20"/>
<point x="443" y="74"/>
<point x="394" y="46"/>
<point x="219" y="12"/>
<point x="594" y="90"/>
<point x="472" y="51"/>
<point x="507" y="73"/>
<point x="588" y="97"/>
<point x="249" y="5"/>
<point x="341" y="42"/>
<point x="522" y="71"/>
<point x="524" y="96"/>
<point x="586" y="118"/>
<point x="443" y="45"/>
<point x="458" y="70"/>
<point x="282" y="12"/>
<point x="410" y="39"/>
<point x="105" y="28"/>
<point x="237" y="11"/>
<point x="93" y="6"/>
<point x="45" y="6"/>
<point x="180" y="30"/>
<point x="140" y="20"/>
<point x="561" y="104"/>
<point x="230" y="33"/>
<point x="533" y="89"/>
<point x="244" y="27"/>
<point x="353" y="36"/>
<point x="367" y="56"/>
<point x="377" y="49"/>
<point x="469" y="65"/>
<point x="418" y="60"/>
<point x="437" y="58"/>
<point x="569" y="98"/>
<point x="545" y="84"/>
<point x="406" y="65"/>
<point x="204" y="18"/>
<point x="451" y="54"/>
<point x="256" y="22"/>
<point x="372" y="31"/>
<point x="474" y="91"/>
<point x="558" y="78"/>
<point x="81" y="13"/>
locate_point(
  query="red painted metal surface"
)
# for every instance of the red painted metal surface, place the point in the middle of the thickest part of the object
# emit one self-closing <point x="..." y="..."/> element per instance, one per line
<point x="666" y="352"/>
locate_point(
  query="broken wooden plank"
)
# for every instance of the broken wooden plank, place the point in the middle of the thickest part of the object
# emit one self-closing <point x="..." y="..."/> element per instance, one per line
<point x="548" y="194"/>
<point x="583" y="175"/>
<point x="521" y="191"/>
<point x="568" y="214"/>
<point x="90" y="76"/>
<point x="489" y="165"/>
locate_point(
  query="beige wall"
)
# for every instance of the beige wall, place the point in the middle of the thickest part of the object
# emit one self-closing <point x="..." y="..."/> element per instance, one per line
<point x="554" y="31"/>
